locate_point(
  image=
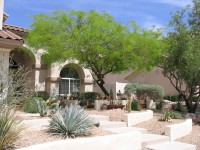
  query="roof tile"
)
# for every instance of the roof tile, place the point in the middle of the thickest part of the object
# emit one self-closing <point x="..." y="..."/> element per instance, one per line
<point x="6" y="34"/>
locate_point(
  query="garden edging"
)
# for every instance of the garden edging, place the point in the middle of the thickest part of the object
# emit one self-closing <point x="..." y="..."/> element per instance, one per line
<point x="137" y="117"/>
<point x="176" y="131"/>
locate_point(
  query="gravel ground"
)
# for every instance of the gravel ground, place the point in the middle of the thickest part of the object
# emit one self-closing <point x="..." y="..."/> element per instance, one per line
<point x="153" y="126"/>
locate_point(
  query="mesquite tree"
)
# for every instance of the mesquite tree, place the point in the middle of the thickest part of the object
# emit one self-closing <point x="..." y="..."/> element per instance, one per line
<point x="96" y="40"/>
<point x="181" y="63"/>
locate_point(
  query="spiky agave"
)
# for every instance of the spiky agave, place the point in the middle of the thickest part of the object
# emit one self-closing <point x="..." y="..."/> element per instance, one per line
<point x="71" y="122"/>
<point x="10" y="127"/>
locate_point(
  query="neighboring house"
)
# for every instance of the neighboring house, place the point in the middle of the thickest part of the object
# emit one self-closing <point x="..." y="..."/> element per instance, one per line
<point x="117" y="82"/>
<point x="153" y="77"/>
<point x="61" y="78"/>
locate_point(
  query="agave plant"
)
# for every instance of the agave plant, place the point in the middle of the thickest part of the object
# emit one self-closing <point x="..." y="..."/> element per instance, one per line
<point x="10" y="127"/>
<point x="71" y="122"/>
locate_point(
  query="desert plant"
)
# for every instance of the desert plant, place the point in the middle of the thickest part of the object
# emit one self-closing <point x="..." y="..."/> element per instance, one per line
<point x="18" y="86"/>
<point x="42" y="107"/>
<point x="30" y="106"/>
<point x="136" y="105"/>
<point x="176" y="115"/>
<point x="70" y="122"/>
<point x="10" y="127"/>
<point x="167" y="115"/>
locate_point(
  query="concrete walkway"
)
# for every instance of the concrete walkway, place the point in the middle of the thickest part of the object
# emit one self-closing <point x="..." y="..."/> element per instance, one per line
<point x="149" y="141"/>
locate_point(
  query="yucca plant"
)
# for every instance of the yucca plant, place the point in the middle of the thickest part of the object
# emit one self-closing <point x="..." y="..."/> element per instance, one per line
<point x="71" y="122"/>
<point x="10" y="127"/>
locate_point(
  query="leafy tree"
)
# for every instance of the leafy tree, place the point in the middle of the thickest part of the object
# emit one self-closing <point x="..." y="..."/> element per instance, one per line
<point x="181" y="63"/>
<point x="96" y="40"/>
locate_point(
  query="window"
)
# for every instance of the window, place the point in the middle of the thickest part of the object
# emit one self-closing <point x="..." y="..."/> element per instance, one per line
<point x="70" y="81"/>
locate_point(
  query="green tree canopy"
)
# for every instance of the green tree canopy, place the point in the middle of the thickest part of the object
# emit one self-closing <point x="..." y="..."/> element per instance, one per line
<point x="96" y="40"/>
<point x="182" y="60"/>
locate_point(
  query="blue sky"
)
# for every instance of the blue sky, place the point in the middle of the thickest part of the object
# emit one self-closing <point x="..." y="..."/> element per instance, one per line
<point x="145" y="12"/>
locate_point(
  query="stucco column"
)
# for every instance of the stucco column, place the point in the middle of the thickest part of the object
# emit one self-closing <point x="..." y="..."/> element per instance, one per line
<point x="1" y="13"/>
<point x="4" y="67"/>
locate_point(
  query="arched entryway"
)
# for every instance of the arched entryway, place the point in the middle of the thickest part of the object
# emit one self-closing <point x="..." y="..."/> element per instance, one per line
<point x="22" y="57"/>
<point x="70" y="80"/>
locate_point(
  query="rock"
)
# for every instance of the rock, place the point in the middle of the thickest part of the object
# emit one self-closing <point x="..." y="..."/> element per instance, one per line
<point x="190" y="115"/>
<point x="96" y="122"/>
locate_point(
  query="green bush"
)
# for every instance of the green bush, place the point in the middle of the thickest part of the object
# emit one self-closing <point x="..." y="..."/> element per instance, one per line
<point x="10" y="127"/>
<point x="91" y="95"/>
<point x="194" y="98"/>
<point x="42" y="107"/>
<point x="136" y="105"/>
<point x="43" y="94"/>
<point x="154" y="92"/>
<point x="30" y="105"/>
<point x="176" y="115"/>
<point x="71" y="122"/>
<point x="174" y="98"/>
<point x="159" y="104"/>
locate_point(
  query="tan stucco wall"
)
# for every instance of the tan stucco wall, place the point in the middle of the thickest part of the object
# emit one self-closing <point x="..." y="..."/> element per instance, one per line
<point x="111" y="79"/>
<point x="155" y="77"/>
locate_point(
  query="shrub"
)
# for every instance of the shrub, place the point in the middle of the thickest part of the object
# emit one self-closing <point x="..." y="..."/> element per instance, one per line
<point x="154" y="92"/>
<point x="71" y="122"/>
<point x="159" y="104"/>
<point x="176" y="115"/>
<point x="10" y="127"/>
<point x="43" y="94"/>
<point x="42" y="107"/>
<point x="174" y="98"/>
<point x="91" y="95"/>
<point x="30" y="106"/>
<point x="136" y="105"/>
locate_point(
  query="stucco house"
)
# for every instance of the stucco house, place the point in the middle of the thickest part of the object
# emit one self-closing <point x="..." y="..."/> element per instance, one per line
<point x="61" y="78"/>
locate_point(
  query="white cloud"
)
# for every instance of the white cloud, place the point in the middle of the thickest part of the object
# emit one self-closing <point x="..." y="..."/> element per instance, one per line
<point x="179" y="3"/>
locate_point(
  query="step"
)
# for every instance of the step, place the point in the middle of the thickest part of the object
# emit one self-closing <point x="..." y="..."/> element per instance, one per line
<point x="119" y="130"/>
<point x="112" y="124"/>
<point x="172" y="146"/>
<point x="150" y="139"/>
<point x="100" y="117"/>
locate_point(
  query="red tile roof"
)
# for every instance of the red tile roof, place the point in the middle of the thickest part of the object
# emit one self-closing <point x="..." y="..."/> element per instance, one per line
<point x="15" y="28"/>
<point x="6" y="34"/>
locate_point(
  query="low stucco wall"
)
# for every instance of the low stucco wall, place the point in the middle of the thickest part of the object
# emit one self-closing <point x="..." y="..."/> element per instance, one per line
<point x="125" y="141"/>
<point x="137" y="117"/>
<point x="176" y="131"/>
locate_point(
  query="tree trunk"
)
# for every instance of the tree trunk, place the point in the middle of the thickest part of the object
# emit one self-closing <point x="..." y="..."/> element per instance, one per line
<point x="190" y="106"/>
<point x="101" y="83"/>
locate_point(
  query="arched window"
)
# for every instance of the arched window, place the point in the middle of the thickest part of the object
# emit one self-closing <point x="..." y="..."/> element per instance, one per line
<point x="70" y="81"/>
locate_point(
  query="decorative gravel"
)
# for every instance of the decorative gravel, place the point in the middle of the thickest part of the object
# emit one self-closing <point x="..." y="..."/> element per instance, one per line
<point x="153" y="126"/>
